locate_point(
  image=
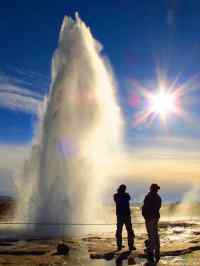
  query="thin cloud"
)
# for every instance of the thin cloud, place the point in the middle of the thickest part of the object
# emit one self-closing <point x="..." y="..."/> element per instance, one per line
<point x="15" y="97"/>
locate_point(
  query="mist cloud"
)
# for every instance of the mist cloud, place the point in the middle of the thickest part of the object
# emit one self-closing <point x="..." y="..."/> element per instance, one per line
<point x="18" y="98"/>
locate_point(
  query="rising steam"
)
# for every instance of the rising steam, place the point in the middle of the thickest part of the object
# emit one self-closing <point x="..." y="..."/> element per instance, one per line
<point x="81" y="133"/>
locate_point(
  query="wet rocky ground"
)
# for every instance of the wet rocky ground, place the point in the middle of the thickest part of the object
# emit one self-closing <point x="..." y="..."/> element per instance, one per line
<point x="180" y="245"/>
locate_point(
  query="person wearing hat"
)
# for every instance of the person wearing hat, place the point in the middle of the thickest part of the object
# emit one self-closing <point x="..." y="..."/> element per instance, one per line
<point x="151" y="214"/>
<point x="123" y="214"/>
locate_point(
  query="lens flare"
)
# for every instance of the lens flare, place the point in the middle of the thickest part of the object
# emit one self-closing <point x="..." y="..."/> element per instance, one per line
<point x="163" y="103"/>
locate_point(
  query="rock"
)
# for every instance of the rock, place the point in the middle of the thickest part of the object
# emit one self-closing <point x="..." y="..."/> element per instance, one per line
<point x="195" y="241"/>
<point x="62" y="249"/>
<point x="196" y="233"/>
<point x="180" y="252"/>
<point x="131" y="260"/>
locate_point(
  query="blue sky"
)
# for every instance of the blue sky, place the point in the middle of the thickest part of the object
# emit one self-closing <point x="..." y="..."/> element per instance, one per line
<point x="138" y="37"/>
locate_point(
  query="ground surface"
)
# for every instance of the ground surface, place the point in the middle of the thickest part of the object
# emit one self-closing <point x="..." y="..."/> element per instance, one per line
<point x="180" y="245"/>
<point x="180" y="242"/>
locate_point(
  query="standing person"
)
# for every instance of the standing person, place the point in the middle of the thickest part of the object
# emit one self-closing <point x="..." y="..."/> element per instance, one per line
<point x="123" y="213"/>
<point x="151" y="214"/>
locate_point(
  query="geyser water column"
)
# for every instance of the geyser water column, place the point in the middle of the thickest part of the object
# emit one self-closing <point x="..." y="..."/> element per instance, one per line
<point x="81" y="132"/>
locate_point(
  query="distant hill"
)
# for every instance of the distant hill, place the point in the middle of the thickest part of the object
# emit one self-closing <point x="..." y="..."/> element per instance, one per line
<point x="6" y="198"/>
<point x="7" y="207"/>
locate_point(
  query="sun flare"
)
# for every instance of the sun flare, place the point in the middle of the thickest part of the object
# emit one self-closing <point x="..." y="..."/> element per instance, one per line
<point x="163" y="103"/>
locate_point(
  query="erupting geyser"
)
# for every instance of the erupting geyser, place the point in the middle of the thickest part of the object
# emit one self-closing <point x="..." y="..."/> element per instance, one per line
<point x="80" y="135"/>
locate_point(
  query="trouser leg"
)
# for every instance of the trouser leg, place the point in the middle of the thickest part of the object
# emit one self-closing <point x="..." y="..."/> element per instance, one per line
<point x="119" y="233"/>
<point x="154" y="240"/>
<point x="130" y="232"/>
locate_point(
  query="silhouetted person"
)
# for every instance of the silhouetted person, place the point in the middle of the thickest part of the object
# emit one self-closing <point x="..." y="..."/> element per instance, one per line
<point x="123" y="213"/>
<point x="151" y="214"/>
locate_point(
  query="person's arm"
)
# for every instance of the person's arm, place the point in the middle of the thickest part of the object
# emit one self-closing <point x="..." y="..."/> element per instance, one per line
<point x="160" y="202"/>
<point x="144" y="206"/>
<point x="145" y="201"/>
<point x="114" y="197"/>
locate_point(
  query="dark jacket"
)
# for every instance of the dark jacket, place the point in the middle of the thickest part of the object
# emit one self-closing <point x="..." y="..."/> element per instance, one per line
<point x="122" y="204"/>
<point x="151" y="206"/>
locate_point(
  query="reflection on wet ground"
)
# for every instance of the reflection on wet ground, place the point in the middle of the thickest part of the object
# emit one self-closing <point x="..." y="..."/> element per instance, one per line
<point x="180" y="246"/>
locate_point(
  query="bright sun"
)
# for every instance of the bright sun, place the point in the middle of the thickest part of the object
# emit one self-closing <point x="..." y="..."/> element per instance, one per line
<point x="163" y="103"/>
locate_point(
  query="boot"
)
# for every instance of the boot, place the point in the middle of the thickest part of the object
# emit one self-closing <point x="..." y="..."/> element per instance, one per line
<point x="157" y="255"/>
<point x="119" y="248"/>
<point x="132" y="248"/>
<point x="150" y="257"/>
